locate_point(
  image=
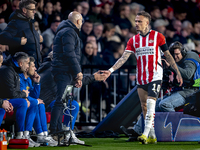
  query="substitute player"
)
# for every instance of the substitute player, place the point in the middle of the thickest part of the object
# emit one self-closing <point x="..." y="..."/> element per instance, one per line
<point x="147" y="46"/>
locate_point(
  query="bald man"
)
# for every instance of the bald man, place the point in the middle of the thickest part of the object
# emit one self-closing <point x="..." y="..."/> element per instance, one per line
<point x="66" y="67"/>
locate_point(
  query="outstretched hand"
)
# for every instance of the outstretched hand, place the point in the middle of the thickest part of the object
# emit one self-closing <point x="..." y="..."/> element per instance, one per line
<point x="99" y="76"/>
<point x="106" y="74"/>
<point x="78" y="83"/>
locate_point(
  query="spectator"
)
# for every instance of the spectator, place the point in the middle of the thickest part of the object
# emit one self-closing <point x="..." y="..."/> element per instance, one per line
<point x="124" y="30"/>
<point x="108" y="32"/>
<point x="85" y="8"/>
<point x="66" y="47"/>
<point x="49" y="34"/>
<point x="180" y="12"/>
<point x="170" y="32"/>
<point x="98" y="31"/>
<point x="39" y="11"/>
<point x="10" y="87"/>
<point x="113" y="53"/>
<point x="134" y="9"/>
<point x="196" y="31"/>
<point x="75" y="6"/>
<point x="57" y="8"/>
<point x="38" y="119"/>
<point x="94" y="14"/>
<point x="164" y="11"/>
<point x="88" y="58"/>
<point x="123" y="15"/>
<point x="20" y="35"/>
<point x="155" y="14"/>
<point x="187" y="28"/>
<point x="37" y="27"/>
<point x="177" y="24"/>
<point x="86" y="30"/>
<point x="12" y="6"/>
<point x="160" y="25"/>
<point x="3" y="11"/>
<point x="48" y="10"/>
<point x="106" y="16"/>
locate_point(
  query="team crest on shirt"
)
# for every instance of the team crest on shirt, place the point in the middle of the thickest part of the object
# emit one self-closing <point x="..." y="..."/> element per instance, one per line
<point x="151" y="41"/>
<point x="27" y="87"/>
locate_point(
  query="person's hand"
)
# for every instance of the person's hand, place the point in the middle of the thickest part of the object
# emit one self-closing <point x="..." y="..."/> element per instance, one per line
<point x="41" y="39"/>
<point x="98" y="76"/>
<point x="179" y="79"/>
<point x="27" y="92"/>
<point x="167" y="64"/>
<point x="78" y="83"/>
<point x="40" y="101"/>
<point x="23" y="40"/>
<point x="7" y="106"/>
<point x="36" y="77"/>
<point x="28" y="102"/>
<point x="79" y="76"/>
<point x="106" y="73"/>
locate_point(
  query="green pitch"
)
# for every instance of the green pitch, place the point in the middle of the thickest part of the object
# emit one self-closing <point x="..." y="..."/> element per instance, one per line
<point x="121" y="144"/>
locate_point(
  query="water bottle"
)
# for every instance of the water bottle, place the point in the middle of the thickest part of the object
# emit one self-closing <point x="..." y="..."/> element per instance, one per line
<point x="1" y="135"/>
<point x="5" y="133"/>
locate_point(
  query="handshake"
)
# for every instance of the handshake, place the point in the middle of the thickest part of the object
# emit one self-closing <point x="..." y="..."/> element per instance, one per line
<point x="100" y="75"/>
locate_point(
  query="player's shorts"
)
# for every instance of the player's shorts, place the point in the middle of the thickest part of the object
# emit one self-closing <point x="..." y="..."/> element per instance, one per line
<point x="153" y="88"/>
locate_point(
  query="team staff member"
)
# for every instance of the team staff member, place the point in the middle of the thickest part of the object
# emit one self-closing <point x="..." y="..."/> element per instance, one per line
<point x="66" y="63"/>
<point x="146" y="46"/>
<point x="20" y="34"/>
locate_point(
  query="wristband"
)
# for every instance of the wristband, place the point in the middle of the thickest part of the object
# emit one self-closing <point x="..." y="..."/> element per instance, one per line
<point x="111" y="70"/>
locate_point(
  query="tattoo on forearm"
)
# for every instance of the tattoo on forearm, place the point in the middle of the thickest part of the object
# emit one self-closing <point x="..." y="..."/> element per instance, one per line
<point x="121" y="61"/>
<point x="171" y="61"/>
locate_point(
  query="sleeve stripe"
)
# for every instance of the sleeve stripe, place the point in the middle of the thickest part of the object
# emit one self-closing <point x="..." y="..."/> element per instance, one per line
<point x="130" y="51"/>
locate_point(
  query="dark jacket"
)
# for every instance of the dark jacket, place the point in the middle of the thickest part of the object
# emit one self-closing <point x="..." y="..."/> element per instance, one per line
<point x="18" y="27"/>
<point x="66" y="49"/>
<point x="10" y="81"/>
<point x="187" y="69"/>
<point x="1" y="103"/>
<point x="48" y="85"/>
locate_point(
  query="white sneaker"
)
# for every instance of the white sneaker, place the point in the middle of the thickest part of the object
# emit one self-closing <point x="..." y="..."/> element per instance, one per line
<point x="47" y="139"/>
<point x="31" y="142"/>
<point x="74" y="139"/>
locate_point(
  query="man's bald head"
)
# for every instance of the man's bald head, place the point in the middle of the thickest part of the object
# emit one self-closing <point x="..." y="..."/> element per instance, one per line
<point x="74" y="16"/>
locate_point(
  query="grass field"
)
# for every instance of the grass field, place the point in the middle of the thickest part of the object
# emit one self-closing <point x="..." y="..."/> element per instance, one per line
<point x="121" y="144"/>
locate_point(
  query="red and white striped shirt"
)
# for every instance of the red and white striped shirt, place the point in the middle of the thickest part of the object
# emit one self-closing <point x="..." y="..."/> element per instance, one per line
<point x="148" y="53"/>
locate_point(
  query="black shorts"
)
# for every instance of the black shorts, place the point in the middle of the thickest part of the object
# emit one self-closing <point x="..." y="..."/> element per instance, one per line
<point x="153" y="88"/>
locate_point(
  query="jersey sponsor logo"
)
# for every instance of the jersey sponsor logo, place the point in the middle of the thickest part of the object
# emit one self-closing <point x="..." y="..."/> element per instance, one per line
<point x="145" y="51"/>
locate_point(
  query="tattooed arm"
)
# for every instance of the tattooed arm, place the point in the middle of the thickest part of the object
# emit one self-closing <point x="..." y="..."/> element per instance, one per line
<point x="172" y="63"/>
<point x="117" y="65"/>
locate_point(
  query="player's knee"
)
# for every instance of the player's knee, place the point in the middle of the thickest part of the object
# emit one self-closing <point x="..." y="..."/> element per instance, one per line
<point x="164" y="106"/>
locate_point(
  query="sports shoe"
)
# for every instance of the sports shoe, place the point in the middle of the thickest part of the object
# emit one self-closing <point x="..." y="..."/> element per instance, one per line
<point x="47" y="139"/>
<point x="74" y="139"/>
<point x="31" y="142"/>
<point x="151" y="140"/>
<point x="142" y="139"/>
<point x="130" y="133"/>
